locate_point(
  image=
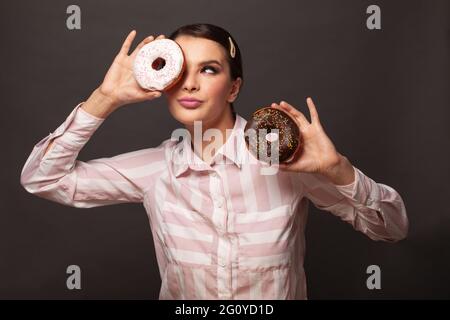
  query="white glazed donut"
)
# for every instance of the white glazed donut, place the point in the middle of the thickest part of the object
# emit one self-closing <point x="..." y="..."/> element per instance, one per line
<point x="159" y="64"/>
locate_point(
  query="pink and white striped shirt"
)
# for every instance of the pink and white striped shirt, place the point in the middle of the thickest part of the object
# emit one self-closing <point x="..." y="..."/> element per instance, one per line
<point x="221" y="230"/>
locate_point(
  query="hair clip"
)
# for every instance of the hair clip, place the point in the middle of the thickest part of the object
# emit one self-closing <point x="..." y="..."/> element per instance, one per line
<point x="232" y="48"/>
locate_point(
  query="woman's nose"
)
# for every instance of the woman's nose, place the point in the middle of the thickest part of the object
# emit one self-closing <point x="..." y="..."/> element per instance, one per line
<point x="190" y="82"/>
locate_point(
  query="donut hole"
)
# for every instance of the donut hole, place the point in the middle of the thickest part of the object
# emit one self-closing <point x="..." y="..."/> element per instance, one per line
<point x="158" y="64"/>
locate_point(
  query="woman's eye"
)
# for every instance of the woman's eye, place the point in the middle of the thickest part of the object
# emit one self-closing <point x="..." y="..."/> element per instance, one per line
<point x="210" y="68"/>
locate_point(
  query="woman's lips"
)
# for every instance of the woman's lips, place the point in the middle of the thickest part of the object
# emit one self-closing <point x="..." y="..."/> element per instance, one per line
<point x="190" y="104"/>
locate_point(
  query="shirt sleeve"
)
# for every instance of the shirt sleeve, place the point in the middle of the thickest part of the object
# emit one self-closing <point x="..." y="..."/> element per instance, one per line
<point x="58" y="175"/>
<point x="375" y="209"/>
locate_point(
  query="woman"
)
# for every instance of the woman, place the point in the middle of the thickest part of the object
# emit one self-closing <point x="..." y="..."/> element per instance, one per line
<point x="222" y="230"/>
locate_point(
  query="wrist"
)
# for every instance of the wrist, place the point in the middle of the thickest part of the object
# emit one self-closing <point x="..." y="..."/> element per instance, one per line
<point x="99" y="104"/>
<point x="342" y="173"/>
<point x="108" y="96"/>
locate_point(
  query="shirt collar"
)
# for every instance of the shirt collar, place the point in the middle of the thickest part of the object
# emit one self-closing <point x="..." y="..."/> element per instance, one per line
<point x="184" y="158"/>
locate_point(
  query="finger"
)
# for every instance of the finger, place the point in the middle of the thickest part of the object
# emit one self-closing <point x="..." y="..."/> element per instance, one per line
<point x="285" y="166"/>
<point x="153" y="94"/>
<point x="277" y="106"/>
<point x="143" y="43"/>
<point x="127" y="43"/>
<point x="161" y="36"/>
<point x="312" y="111"/>
<point x="295" y="119"/>
<point x="295" y="163"/>
<point x="295" y="113"/>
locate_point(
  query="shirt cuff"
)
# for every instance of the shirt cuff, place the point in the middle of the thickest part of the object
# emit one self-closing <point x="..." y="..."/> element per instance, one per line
<point x="77" y="129"/>
<point x="349" y="189"/>
<point x="85" y="114"/>
<point x="363" y="192"/>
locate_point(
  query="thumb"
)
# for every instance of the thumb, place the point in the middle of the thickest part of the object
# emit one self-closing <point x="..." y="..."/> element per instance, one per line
<point x="153" y="94"/>
<point x="283" y="165"/>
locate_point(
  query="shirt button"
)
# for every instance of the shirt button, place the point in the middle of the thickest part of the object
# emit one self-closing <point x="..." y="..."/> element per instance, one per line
<point x="369" y="201"/>
<point x="215" y="175"/>
<point x="219" y="202"/>
<point x="222" y="263"/>
<point x="220" y="228"/>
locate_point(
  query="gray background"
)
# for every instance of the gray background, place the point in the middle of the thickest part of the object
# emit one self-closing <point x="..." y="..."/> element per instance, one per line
<point x="383" y="98"/>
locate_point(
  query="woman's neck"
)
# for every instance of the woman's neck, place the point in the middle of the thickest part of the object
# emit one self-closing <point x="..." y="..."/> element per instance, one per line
<point x="225" y="121"/>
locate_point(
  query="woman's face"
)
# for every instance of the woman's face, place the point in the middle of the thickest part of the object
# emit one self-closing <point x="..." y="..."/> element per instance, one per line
<point x="206" y="78"/>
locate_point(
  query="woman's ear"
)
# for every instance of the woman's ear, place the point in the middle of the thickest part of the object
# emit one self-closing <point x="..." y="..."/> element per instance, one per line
<point x="235" y="89"/>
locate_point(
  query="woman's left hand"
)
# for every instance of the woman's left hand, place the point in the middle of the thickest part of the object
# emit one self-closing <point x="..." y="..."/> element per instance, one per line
<point x="318" y="154"/>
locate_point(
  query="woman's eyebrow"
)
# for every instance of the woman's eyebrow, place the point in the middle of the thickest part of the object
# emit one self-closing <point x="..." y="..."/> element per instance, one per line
<point x="209" y="62"/>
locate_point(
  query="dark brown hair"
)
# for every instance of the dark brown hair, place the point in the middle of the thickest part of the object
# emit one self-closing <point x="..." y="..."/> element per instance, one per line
<point x="219" y="35"/>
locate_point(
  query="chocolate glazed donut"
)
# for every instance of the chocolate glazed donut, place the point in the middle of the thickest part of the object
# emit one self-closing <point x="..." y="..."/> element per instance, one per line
<point x="259" y="140"/>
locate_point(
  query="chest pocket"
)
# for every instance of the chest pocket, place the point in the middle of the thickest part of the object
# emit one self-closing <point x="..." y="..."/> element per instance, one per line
<point x="265" y="238"/>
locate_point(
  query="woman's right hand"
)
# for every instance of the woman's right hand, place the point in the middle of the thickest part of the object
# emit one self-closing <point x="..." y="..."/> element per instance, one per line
<point x="119" y="84"/>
